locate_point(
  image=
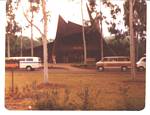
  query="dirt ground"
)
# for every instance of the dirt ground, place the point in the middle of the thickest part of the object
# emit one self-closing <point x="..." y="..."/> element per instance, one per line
<point x="108" y="90"/>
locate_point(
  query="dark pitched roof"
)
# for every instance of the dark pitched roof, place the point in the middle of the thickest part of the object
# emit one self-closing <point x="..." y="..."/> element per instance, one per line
<point x="65" y="29"/>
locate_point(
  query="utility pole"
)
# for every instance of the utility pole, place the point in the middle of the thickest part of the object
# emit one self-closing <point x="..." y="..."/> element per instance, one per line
<point x="83" y="35"/>
<point x="44" y="38"/>
<point x="132" y="41"/>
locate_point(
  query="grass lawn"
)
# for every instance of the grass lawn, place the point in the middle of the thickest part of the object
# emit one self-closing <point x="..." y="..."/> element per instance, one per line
<point x="80" y="91"/>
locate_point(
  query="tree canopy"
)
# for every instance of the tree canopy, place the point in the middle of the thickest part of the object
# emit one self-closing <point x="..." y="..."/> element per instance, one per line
<point x="12" y="26"/>
<point x="139" y="7"/>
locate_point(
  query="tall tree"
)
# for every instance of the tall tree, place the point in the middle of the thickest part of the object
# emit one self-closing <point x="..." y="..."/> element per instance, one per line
<point x="132" y="41"/>
<point x="45" y="53"/>
<point x="33" y="8"/>
<point x="135" y="19"/>
<point x="139" y="21"/>
<point x="139" y="14"/>
<point x="43" y="34"/>
<point x="12" y="26"/>
<point x="16" y="46"/>
<point x="83" y="35"/>
<point x="96" y="21"/>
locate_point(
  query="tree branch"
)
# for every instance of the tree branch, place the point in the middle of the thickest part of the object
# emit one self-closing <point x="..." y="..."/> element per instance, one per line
<point x="133" y="3"/>
<point x="32" y="24"/>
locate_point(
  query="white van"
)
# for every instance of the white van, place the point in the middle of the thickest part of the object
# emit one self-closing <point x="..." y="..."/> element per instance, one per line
<point x="28" y="63"/>
<point x="141" y="64"/>
<point x="121" y="62"/>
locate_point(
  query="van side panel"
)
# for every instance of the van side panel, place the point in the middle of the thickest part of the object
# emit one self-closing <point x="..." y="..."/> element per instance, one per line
<point x="24" y="62"/>
<point x="34" y="65"/>
<point x="117" y="64"/>
<point x="32" y="62"/>
<point x="114" y="62"/>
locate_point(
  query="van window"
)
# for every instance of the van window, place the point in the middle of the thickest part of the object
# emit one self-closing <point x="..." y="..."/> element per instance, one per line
<point x="39" y="59"/>
<point x="109" y="59"/>
<point x="105" y="59"/>
<point x="22" y="59"/>
<point x="120" y="59"/>
<point x="127" y="59"/>
<point x="29" y="59"/>
<point x="113" y="59"/>
<point x="123" y="59"/>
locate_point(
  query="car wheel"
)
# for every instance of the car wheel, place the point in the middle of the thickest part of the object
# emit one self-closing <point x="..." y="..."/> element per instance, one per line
<point x="28" y="68"/>
<point x="141" y="68"/>
<point x="100" y="68"/>
<point x="124" y="68"/>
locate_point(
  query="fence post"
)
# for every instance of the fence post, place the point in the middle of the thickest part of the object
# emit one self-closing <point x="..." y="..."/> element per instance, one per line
<point x="12" y="81"/>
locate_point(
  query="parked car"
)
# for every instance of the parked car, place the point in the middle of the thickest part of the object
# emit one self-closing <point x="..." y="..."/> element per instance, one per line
<point x="141" y="64"/>
<point x="28" y="63"/>
<point x="121" y="62"/>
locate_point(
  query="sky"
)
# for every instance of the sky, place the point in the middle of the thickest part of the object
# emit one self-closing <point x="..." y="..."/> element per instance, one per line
<point x="69" y="10"/>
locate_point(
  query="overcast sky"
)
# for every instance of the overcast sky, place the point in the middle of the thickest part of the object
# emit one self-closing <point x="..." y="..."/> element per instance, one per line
<point x="69" y="10"/>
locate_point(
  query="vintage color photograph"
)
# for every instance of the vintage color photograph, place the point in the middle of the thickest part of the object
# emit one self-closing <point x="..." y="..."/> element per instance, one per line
<point x="75" y="55"/>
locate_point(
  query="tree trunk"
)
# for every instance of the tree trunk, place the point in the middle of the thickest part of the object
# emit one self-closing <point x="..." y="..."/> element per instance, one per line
<point x="101" y="35"/>
<point x="132" y="41"/>
<point x="21" y="43"/>
<point x="32" y="31"/>
<point x="45" y="53"/>
<point x="54" y="52"/>
<point x="83" y="36"/>
<point x="8" y="45"/>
